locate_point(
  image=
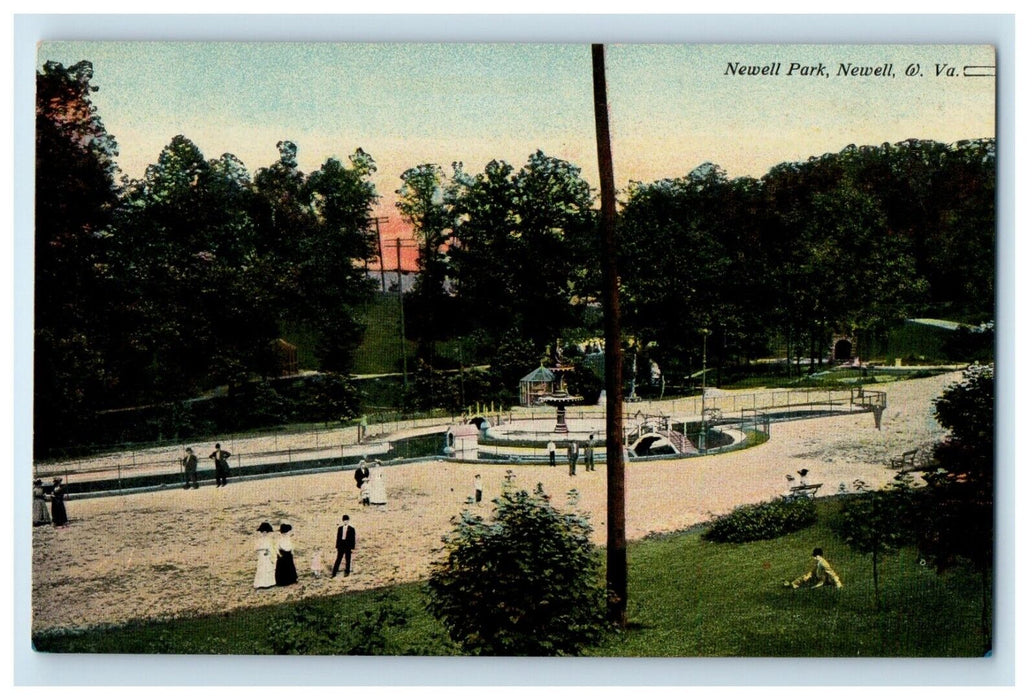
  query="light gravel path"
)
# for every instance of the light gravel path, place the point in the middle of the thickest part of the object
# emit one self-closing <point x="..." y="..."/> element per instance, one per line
<point x="176" y="553"/>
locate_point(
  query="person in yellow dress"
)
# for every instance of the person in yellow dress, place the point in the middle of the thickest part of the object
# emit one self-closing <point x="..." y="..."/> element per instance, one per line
<point x="820" y="571"/>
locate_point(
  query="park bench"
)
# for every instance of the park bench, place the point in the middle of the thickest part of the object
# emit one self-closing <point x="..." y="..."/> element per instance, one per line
<point x="803" y="491"/>
<point x="905" y="462"/>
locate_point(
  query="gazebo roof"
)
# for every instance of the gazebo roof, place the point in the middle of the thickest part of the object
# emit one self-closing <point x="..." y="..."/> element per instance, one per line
<point x="540" y="374"/>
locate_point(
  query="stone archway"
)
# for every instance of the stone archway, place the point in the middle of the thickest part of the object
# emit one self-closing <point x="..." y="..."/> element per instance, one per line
<point x="842" y="350"/>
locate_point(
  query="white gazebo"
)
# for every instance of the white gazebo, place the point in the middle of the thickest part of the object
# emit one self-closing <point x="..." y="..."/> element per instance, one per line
<point x="535" y="385"/>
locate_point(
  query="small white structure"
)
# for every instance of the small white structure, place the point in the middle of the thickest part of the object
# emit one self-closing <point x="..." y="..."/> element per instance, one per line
<point x="462" y="439"/>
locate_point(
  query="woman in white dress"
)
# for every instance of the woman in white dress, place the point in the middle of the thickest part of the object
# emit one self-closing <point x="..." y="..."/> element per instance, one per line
<point x="265" y="563"/>
<point x="378" y="495"/>
<point x="40" y="514"/>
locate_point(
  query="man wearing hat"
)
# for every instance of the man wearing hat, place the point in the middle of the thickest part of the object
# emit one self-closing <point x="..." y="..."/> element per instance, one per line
<point x="190" y="469"/>
<point x="345" y="543"/>
<point x="219" y="456"/>
<point x="362" y="472"/>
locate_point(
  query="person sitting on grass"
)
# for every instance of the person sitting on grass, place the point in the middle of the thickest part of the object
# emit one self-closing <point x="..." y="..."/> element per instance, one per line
<point x="820" y="571"/>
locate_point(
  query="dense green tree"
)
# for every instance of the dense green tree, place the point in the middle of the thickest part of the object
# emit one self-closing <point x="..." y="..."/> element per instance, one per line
<point x="317" y="232"/>
<point x="681" y="242"/>
<point x="195" y="310"/>
<point x="514" y="262"/>
<point x="331" y="274"/>
<point x="424" y="202"/>
<point x="76" y="193"/>
<point x="526" y="583"/>
<point x="961" y="477"/>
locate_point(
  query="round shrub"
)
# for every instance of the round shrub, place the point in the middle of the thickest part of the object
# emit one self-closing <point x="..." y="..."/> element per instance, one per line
<point x="526" y="583"/>
<point x="763" y="521"/>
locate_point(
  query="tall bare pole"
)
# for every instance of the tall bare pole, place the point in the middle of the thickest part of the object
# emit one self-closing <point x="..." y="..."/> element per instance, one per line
<point x="402" y="326"/>
<point x="616" y="565"/>
<point x="381" y="259"/>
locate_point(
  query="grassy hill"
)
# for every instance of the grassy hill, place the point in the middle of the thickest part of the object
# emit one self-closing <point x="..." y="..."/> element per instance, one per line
<point x="379" y="350"/>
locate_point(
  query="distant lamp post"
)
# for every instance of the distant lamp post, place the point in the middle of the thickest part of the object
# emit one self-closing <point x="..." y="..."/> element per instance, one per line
<point x="702" y="432"/>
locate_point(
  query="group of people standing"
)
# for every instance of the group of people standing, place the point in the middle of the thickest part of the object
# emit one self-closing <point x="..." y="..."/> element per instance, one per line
<point x="219" y="458"/>
<point x="275" y="557"/>
<point x="573" y="455"/>
<point x="57" y="514"/>
<point x="371" y="483"/>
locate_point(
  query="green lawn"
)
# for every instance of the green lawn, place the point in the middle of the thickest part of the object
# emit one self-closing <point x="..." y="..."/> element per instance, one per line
<point x="379" y="351"/>
<point x="687" y="597"/>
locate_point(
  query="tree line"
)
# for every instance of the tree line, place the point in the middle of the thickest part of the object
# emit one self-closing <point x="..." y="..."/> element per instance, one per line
<point x="850" y="242"/>
<point x="163" y="288"/>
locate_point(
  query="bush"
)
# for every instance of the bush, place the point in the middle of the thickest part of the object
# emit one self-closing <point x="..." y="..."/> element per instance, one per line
<point x="310" y="628"/>
<point x="763" y="521"/>
<point x="525" y="583"/>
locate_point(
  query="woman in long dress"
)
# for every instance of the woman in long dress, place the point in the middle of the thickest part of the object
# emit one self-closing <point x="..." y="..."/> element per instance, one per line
<point x="378" y="495"/>
<point x="285" y="573"/>
<point x="57" y="504"/>
<point x="265" y="558"/>
<point x="365" y="491"/>
<point x="40" y="514"/>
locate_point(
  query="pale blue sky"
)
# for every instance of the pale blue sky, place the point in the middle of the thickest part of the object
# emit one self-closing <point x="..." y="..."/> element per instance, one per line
<point x="672" y="106"/>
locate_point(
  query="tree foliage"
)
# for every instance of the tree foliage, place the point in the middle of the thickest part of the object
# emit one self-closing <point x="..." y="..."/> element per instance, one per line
<point x="174" y="284"/>
<point x="878" y="522"/>
<point x="76" y="194"/>
<point x="424" y="201"/>
<point x="524" y="583"/>
<point x="848" y="242"/>
<point x="959" y="512"/>
<point x="516" y="235"/>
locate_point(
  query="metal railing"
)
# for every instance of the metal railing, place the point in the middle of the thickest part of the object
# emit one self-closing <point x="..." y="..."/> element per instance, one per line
<point x="343" y="443"/>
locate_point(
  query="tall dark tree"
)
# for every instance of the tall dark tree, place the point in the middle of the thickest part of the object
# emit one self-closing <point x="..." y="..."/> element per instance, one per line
<point x="958" y="518"/>
<point x="514" y="259"/>
<point x="316" y="231"/>
<point x="966" y="457"/>
<point x="424" y="202"/>
<point x="76" y="193"/>
<point x="331" y="275"/>
<point x="196" y="313"/>
<point x="675" y="265"/>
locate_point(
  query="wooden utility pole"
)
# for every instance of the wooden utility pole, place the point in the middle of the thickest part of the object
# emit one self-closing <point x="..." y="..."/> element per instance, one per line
<point x="402" y="325"/>
<point x="616" y="575"/>
<point x="378" y="220"/>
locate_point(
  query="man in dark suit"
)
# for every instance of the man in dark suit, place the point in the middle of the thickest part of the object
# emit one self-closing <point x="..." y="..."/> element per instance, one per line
<point x="362" y="472"/>
<point x="220" y="456"/>
<point x="190" y="468"/>
<point x="345" y="543"/>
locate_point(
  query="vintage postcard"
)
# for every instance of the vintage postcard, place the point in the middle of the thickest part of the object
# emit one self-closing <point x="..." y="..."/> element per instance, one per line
<point x="447" y="349"/>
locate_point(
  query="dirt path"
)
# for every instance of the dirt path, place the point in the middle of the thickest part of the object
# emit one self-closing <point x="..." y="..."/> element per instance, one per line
<point x="175" y="553"/>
